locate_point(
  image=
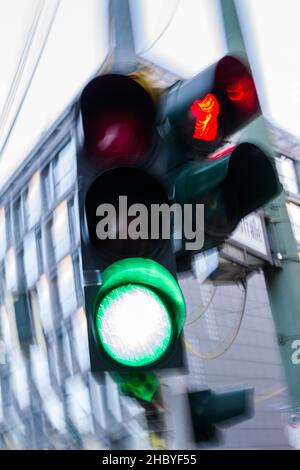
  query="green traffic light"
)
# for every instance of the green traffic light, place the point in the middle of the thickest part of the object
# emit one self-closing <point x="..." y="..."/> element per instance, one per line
<point x="134" y="325"/>
<point x="139" y="312"/>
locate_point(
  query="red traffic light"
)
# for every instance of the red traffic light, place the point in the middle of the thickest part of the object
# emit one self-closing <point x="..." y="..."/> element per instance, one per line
<point x="203" y="111"/>
<point x="118" y="117"/>
<point x="206" y="112"/>
<point x="235" y="88"/>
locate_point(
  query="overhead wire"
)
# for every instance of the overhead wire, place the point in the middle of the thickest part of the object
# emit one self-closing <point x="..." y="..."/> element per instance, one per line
<point x="202" y="312"/>
<point x="12" y="125"/>
<point x="230" y="341"/>
<point x="20" y="66"/>
<point x="270" y="395"/>
<point x="146" y="49"/>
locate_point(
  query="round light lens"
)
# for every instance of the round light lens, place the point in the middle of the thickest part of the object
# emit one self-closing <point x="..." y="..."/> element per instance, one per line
<point x="134" y="325"/>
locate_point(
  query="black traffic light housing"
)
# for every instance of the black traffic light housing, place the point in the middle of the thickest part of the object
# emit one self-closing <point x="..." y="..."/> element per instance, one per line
<point x="211" y="410"/>
<point x="119" y="156"/>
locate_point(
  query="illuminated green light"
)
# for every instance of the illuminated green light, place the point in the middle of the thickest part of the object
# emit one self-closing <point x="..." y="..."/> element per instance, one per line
<point x="134" y="325"/>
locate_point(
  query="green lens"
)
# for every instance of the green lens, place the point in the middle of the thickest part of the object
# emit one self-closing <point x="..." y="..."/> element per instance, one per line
<point x="134" y="325"/>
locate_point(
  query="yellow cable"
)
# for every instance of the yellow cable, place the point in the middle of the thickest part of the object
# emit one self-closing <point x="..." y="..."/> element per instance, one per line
<point x="230" y="342"/>
<point x="202" y="312"/>
<point x="270" y="395"/>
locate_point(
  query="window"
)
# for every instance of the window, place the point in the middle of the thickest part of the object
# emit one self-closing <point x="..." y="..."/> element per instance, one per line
<point x="66" y="286"/>
<point x="79" y="333"/>
<point x="2" y="233"/>
<point x="34" y="200"/>
<point x="287" y="173"/>
<point x="31" y="261"/>
<point x="48" y="185"/>
<point x="19" y="380"/>
<point x="11" y="270"/>
<point x="43" y="292"/>
<point x="37" y="320"/>
<point x="65" y="169"/>
<point x="18" y="220"/>
<point x="61" y="230"/>
<point x="74" y="220"/>
<point x="79" y="404"/>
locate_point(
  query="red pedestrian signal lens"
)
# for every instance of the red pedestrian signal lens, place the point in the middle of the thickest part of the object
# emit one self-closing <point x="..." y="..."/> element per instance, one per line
<point x="206" y="112"/>
<point x="118" y="117"/>
<point x="235" y="85"/>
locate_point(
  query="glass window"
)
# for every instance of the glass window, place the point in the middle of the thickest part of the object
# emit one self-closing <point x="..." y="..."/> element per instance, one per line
<point x="34" y="200"/>
<point x="294" y="212"/>
<point x="37" y="320"/>
<point x="19" y="380"/>
<point x="31" y="261"/>
<point x="98" y="399"/>
<point x="65" y="169"/>
<point x="74" y="219"/>
<point x="79" y="404"/>
<point x="61" y="230"/>
<point x="55" y="411"/>
<point x="79" y="330"/>
<point x="113" y="398"/>
<point x="18" y="220"/>
<point x="43" y="292"/>
<point x="1" y="406"/>
<point x="67" y="352"/>
<point x="48" y="185"/>
<point x="40" y="369"/>
<point x="5" y="328"/>
<point x="11" y="270"/>
<point x="2" y="233"/>
<point x="66" y="286"/>
<point x="287" y="173"/>
<point x="8" y="225"/>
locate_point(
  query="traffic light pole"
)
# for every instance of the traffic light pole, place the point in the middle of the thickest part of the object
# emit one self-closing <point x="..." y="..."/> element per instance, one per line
<point x="282" y="280"/>
<point x="124" y="51"/>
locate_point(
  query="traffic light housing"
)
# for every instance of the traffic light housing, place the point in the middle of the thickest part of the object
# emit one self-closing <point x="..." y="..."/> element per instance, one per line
<point x="135" y="308"/>
<point x="211" y="410"/>
<point x="230" y="187"/>
<point x="200" y="113"/>
<point x="137" y="149"/>
<point x="231" y="180"/>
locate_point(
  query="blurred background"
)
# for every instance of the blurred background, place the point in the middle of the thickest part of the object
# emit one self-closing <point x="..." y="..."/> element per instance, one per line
<point x="49" y="49"/>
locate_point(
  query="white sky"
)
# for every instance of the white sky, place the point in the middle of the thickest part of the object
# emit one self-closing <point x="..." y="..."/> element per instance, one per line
<point x="78" y="43"/>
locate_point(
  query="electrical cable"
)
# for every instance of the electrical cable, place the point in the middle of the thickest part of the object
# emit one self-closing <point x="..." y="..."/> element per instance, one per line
<point x="143" y="51"/>
<point x="202" y="312"/>
<point x="20" y="66"/>
<point x="31" y="78"/>
<point x="231" y="340"/>
<point x="270" y="395"/>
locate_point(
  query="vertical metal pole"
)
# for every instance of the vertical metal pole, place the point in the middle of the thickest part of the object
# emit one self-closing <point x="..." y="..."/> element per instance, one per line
<point x="283" y="282"/>
<point x="124" y="51"/>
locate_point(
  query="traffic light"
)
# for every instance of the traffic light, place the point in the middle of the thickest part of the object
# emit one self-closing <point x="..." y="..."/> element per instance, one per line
<point x="139" y="151"/>
<point x="230" y="187"/>
<point x="209" y="410"/>
<point x="201" y="112"/>
<point x="135" y="308"/>
<point x="231" y="180"/>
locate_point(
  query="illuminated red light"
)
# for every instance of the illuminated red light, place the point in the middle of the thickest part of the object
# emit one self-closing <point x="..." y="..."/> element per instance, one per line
<point x="241" y="91"/>
<point x="206" y="112"/>
<point x="234" y="82"/>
